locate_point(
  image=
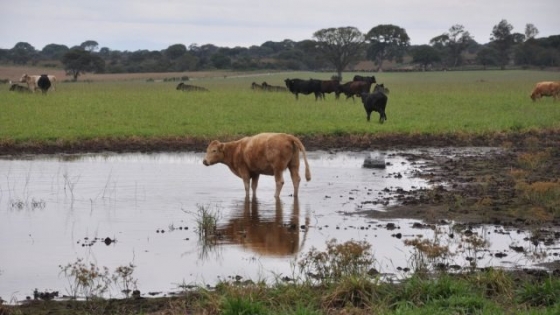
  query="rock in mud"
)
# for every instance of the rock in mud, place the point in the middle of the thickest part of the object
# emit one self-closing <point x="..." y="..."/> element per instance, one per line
<point x="374" y="160"/>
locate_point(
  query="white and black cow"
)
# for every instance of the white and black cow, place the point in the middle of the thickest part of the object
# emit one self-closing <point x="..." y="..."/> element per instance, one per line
<point x="47" y="81"/>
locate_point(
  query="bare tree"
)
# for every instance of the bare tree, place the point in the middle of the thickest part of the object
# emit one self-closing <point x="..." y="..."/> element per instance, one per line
<point x="531" y="31"/>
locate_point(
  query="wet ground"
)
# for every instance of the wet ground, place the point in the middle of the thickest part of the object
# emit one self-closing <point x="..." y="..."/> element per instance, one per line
<point x="503" y="188"/>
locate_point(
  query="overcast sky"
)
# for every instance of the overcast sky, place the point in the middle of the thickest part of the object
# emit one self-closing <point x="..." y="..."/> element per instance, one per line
<point x="155" y="25"/>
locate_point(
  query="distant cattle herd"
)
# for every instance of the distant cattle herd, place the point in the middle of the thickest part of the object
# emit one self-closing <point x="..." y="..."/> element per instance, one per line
<point x="360" y="86"/>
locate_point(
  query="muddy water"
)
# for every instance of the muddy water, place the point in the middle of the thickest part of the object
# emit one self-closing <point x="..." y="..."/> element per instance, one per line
<point x="116" y="209"/>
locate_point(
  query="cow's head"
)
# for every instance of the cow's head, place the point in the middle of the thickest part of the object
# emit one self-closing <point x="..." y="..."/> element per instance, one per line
<point x="288" y="84"/>
<point x="214" y="153"/>
<point x="24" y="78"/>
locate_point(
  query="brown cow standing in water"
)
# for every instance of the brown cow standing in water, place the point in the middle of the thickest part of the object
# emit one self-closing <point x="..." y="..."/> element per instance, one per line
<point x="265" y="153"/>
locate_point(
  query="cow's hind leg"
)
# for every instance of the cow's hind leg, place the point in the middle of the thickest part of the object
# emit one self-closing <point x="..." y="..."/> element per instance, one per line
<point x="294" y="173"/>
<point x="254" y="184"/>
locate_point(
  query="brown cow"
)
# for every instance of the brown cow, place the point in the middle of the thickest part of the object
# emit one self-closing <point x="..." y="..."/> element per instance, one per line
<point x="546" y="88"/>
<point x="329" y="86"/>
<point x="264" y="153"/>
<point x="354" y="88"/>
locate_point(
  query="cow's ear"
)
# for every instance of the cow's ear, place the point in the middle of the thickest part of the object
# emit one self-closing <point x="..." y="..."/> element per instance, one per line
<point x="221" y="147"/>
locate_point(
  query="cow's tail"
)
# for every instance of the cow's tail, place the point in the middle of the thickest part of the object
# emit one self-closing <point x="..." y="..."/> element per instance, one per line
<point x="302" y="149"/>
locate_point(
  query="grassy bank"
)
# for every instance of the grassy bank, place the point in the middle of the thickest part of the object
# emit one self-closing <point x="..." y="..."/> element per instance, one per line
<point x="434" y="103"/>
<point x="339" y="281"/>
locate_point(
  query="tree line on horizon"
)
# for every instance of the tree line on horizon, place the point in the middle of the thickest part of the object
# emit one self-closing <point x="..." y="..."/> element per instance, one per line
<point x="337" y="49"/>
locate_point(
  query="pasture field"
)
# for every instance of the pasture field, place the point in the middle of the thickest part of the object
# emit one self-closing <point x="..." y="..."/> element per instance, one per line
<point x="517" y="186"/>
<point x="476" y="102"/>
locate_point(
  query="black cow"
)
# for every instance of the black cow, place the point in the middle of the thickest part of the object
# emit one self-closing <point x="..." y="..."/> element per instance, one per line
<point x="305" y="87"/>
<point x="365" y="79"/>
<point x="19" y="88"/>
<point x="186" y="87"/>
<point x="44" y="83"/>
<point x="354" y="88"/>
<point x="376" y="101"/>
<point x="257" y="87"/>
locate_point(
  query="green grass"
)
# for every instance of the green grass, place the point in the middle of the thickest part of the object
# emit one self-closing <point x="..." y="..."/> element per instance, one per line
<point x="431" y="102"/>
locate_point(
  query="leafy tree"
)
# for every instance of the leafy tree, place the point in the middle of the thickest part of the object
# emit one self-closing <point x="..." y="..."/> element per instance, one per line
<point x="175" y="51"/>
<point x="340" y="46"/>
<point x="312" y="56"/>
<point x="78" y="61"/>
<point x="525" y="53"/>
<point x="425" y="55"/>
<point x="54" y="51"/>
<point x="386" y="42"/>
<point x="89" y="45"/>
<point x="221" y="60"/>
<point x="502" y="40"/>
<point x="22" y="53"/>
<point x="487" y="56"/>
<point x="548" y="58"/>
<point x="453" y="43"/>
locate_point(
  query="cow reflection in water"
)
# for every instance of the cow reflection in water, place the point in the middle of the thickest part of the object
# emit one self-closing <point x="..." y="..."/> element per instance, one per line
<point x="269" y="236"/>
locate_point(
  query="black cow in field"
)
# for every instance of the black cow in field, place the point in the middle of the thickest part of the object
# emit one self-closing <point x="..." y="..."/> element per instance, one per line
<point x="186" y="87"/>
<point x="19" y="88"/>
<point x="365" y="79"/>
<point x="330" y="86"/>
<point x="376" y="101"/>
<point x="256" y="87"/>
<point x="273" y="88"/>
<point x="305" y="87"/>
<point x="354" y="88"/>
<point x="44" y="83"/>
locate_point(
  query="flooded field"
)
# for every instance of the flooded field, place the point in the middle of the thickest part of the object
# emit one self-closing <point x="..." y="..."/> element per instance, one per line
<point x="114" y="210"/>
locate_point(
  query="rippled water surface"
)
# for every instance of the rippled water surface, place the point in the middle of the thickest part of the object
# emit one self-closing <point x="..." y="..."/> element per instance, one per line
<point x="55" y="210"/>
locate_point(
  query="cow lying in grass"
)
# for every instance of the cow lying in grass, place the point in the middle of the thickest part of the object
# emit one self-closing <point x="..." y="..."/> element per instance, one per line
<point x="186" y="87"/>
<point x="19" y="88"/>
<point x="546" y="88"/>
<point x="264" y="153"/>
<point x="273" y="88"/>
